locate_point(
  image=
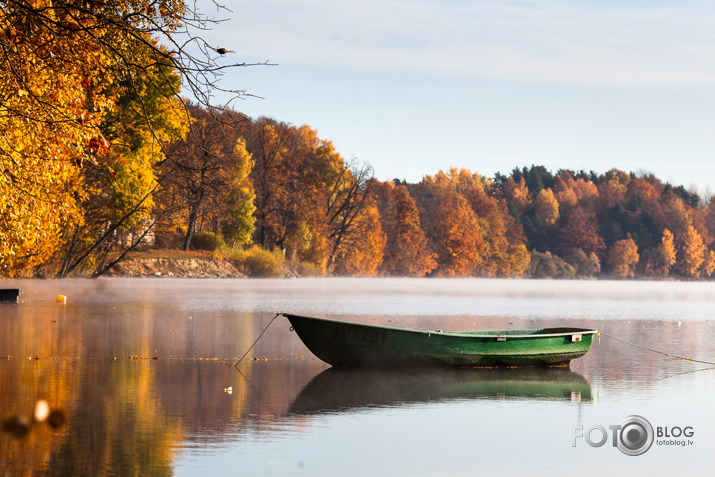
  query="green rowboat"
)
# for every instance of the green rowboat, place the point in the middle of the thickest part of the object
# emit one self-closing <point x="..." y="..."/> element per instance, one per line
<point x="341" y="343"/>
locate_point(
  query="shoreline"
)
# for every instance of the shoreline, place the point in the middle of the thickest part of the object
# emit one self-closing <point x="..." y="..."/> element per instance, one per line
<point x="171" y="263"/>
<point x="174" y="268"/>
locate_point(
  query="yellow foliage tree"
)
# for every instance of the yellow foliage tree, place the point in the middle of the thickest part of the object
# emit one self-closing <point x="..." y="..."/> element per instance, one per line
<point x="76" y="79"/>
<point x="616" y="179"/>
<point x="667" y="250"/>
<point x="518" y="262"/>
<point x="64" y="69"/>
<point x="547" y="207"/>
<point x="623" y="257"/>
<point x="237" y="225"/>
<point x="692" y="253"/>
<point x="49" y="122"/>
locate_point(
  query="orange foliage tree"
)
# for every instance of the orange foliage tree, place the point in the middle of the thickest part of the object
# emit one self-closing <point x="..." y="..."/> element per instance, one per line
<point x="277" y="162"/>
<point x="450" y="226"/>
<point x="360" y="251"/>
<point x="406" y="250"/>
<point x="570" y="192"/>
<point x="476" y="237"/>
<point x="505" y="253"/>
<point x="310" y="202"/>
<point x="612" y="187"/>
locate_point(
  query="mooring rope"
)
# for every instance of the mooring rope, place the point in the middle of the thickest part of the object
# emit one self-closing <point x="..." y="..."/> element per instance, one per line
<point x="670" y="355"/>
<point x="259" y="337"/>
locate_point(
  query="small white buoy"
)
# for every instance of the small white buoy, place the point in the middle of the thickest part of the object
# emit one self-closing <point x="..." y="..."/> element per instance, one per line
<point x="42" y="410"/>
<point x="228" y="390"/>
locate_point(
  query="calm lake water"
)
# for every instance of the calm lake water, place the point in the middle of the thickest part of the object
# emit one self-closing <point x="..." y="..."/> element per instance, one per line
<point x="143" y="370"/>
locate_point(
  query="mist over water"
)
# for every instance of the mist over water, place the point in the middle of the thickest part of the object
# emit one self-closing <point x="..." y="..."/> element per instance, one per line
<point x="494" y="297"/>
<point x="148" y="364"/>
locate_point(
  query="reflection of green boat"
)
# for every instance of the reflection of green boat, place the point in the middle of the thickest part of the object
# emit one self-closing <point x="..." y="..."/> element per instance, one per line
<point x="346" y="388"/>
<point x="341" y="343"/>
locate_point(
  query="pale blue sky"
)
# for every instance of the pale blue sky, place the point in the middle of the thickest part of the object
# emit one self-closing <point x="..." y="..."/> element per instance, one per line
<point x="414" y="86"/>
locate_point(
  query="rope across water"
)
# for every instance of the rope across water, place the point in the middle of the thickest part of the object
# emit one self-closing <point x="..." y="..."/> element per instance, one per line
<point x="670" y="355"/>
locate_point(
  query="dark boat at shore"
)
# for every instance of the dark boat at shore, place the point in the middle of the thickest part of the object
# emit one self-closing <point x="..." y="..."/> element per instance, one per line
<point x="9" y="295"/>
<point x="341" y="343"/>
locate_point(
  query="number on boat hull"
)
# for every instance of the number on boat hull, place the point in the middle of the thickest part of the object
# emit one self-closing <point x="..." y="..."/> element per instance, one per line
<point x="344" y="333"/>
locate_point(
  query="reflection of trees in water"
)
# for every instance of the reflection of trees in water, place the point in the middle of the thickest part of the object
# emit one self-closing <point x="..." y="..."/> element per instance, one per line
<point x="130" y="416"/>
<point x="117" y="424"/>
<point x="128" y="412"/>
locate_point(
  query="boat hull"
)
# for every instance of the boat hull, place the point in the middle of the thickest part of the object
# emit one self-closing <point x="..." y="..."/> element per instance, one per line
<point x="9" y="295"/>
<point x="341" y="343"/>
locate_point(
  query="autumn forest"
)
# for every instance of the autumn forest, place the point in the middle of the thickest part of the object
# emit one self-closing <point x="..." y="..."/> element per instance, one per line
<point x="101" y="154"/>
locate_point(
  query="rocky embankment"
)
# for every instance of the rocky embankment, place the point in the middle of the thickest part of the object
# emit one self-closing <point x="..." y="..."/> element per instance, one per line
<point x="171" y="267"/>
